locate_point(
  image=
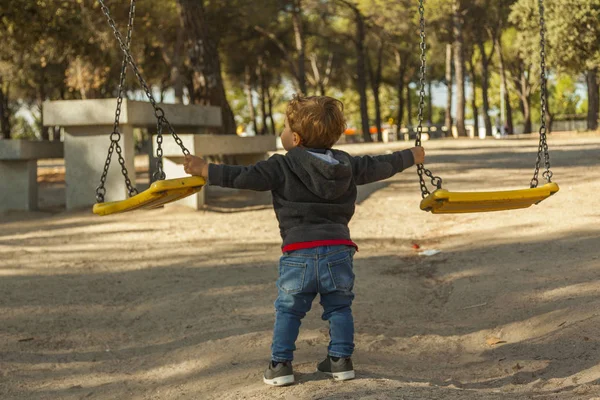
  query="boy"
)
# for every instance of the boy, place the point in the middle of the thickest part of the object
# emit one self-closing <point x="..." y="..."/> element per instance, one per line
<point x="314" y="194"/>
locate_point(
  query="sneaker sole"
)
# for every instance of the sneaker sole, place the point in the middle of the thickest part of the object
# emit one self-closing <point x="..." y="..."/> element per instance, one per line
<point x="279" y="381"/>
<point x="340" y="376"/>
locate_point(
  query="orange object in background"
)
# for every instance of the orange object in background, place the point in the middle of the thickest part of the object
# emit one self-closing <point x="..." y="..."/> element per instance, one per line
<point x="353" y="131"/>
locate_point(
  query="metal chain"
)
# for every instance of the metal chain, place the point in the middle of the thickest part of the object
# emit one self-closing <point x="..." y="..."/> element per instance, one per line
<point x="543" y="144"/>
<point x="115" y="136"/>
<point x="421" y="170"/>
<point x="159" y="174"/>
<point x="158" y="112"/>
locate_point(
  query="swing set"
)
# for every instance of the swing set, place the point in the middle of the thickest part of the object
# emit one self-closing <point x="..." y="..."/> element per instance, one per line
<point x="440" y="201"/>
<point x="162" y="190"/>
<point x="445" y="202"/>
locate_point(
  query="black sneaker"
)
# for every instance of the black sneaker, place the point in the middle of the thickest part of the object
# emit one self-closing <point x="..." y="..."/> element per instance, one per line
<point x="340" y="369"/>
<point x="279" y="374"/>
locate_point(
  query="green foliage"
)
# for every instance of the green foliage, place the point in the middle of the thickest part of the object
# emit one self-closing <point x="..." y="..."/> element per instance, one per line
<point x="574" y="33"/>
<point x="566" y="100"/>
<point x="23" y="129"/>
<point x="57" y="49"/>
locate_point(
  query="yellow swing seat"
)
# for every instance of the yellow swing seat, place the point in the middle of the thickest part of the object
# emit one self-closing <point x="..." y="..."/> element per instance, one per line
<point x="444" y="202"/>
<point x="158" y="194"/>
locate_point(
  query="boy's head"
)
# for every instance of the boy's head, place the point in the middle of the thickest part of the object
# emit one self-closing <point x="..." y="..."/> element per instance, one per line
<point x="315" y="122"/>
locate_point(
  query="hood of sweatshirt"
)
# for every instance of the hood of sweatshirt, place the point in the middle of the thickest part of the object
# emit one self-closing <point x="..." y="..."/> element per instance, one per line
<point x="320" y="172"/>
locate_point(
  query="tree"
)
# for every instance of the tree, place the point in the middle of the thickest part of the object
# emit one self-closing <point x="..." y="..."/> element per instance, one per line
<point x="449" y="82"/>
<point x="574" y="37"/>
<point x="33" y="61"/>
<point x="485" y="20"/>
<point x="504" y="84"/>
<point x="520" y="73"/>
<point x="439" y="15"/>
<point x="375" y="77"/>
<point x="296" y="58"/>
<point x="525" y="18"/>
<point x="395" y="45"/>
<point x="361" y="69"/>
<point x="459" y="65"/>
<point x="203" y="46"/>
<point x="473" y="78"/>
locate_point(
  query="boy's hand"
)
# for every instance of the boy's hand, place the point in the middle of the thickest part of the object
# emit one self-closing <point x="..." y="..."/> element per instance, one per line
<point x="195" y="166"/>
<point x="418" y="154"/>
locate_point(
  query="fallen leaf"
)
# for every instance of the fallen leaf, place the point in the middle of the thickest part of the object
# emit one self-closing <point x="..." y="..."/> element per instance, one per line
<point x="517" y="367"/>
<point x="429" y="253"/>
<point x="492" y="340"/>
<point x="416" y="246"/>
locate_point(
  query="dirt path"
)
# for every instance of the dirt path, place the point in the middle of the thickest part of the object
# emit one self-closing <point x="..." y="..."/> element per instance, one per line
<point x="179" y="304"/>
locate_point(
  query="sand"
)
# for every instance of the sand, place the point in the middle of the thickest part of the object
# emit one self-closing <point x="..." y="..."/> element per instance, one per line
<point x="177" y="304"/>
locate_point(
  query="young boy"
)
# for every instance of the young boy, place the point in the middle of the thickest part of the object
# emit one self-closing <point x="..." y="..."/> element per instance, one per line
<point x="314" y="194"/>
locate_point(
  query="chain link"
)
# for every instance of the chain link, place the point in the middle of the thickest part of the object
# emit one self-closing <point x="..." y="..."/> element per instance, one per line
<point x="160" y="173"/>
<point x="421" y="170"/>
<point x="158" y="112"/>
<point x="543" y="144"/>
<point x="115" y="136"/>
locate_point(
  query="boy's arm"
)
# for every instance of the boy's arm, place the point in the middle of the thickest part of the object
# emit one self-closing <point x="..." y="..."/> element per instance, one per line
<point x="262" y="176"/>
<point x="369" y="169"/>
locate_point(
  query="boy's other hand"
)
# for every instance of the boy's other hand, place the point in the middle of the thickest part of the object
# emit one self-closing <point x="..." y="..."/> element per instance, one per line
<point x="418" y="154"/>
<point x="195" y="166"/>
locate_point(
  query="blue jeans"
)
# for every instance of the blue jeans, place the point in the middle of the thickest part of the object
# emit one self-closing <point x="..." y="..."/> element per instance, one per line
<point x="303" y="274"/>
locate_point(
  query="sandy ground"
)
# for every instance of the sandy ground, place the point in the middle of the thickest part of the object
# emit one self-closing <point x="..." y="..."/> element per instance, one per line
<point x="175" y="304"/>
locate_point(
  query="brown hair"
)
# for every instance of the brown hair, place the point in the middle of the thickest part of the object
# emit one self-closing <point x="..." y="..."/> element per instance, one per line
<point x="318" y="120"/>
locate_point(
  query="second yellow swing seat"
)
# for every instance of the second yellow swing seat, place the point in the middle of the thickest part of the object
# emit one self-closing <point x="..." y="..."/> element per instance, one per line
<point x="444" y="202"/>
<point x="159" y="193"/>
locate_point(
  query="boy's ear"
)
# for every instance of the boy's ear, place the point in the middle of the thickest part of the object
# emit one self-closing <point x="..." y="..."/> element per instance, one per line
<point x="297" y="139"/>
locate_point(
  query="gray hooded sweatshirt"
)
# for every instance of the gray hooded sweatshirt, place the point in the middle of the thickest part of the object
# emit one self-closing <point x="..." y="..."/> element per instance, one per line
<point x="313" y="194"/>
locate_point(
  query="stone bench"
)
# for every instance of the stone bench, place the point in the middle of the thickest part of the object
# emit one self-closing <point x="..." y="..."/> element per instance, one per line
<point x="18" y="171"/>
<point x="87" y="125"/>
<point x="237" y="150"/>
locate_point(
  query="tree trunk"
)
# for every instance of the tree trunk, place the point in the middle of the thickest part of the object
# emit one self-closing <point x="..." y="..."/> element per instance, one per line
<point x="509" y="120"/>
<point x="263" y="100"/>
<point x="325" y="81"/>
<point x="321" y="80"/>
<point x="190" y="87"/>
<point x="42" y="97"/>
<point x="375" y="84"/>
<point x="176" y="77"/>
<point x="448" y="119"/>
<point x="299" y="37"/>
<point x="526" y="103"/>
<point x="177" y="81"/>
<point x="429" y="103"/>
<point x="485" y="79"/>
<point x="526" y="110"/>
<point x="593" y="99"/>
<point x="270" y="111"/>
<point x="400" y="85"/>
<point x="316" y="81"/>
<point x="361" y="72"/>
<point x="408" y="107"/>
<point x="204" y="59"/>
<point x="474" y="109"/>
<point x="459" y="68"/>
<point x="4" y="110"/>
<point x="248" y="90"/>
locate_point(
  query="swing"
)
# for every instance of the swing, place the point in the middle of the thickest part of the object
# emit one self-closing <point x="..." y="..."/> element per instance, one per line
<point x="163" y="190"/>
<point x="443" y="201"/>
